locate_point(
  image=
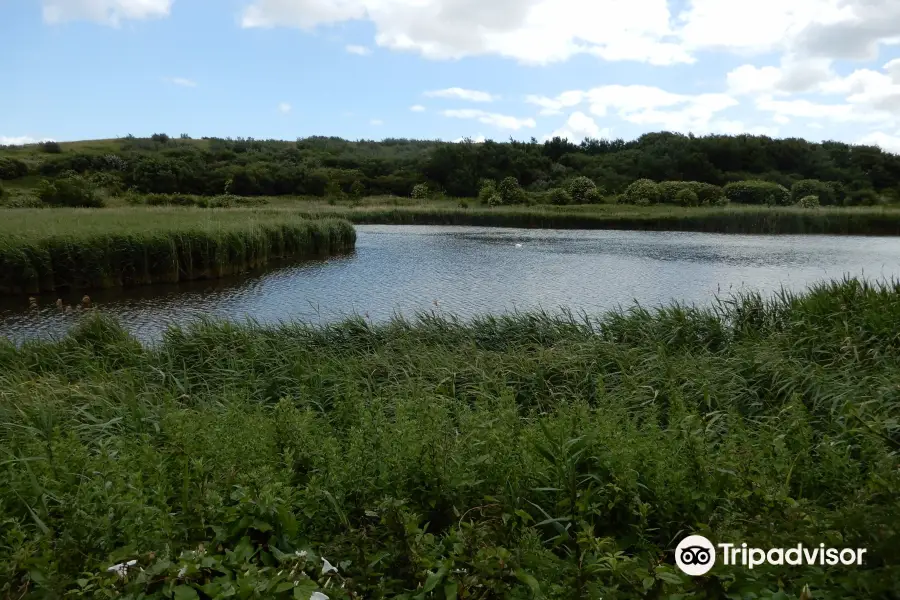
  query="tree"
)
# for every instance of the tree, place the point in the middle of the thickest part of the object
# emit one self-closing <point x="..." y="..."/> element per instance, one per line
<point x="823" y="190"/>
<point x="50" y="147"/>
<point x="357" y="189"/>
<point x="71" y="190"/>
<point x="419" y="191"/>
<point x="811" y="201"/>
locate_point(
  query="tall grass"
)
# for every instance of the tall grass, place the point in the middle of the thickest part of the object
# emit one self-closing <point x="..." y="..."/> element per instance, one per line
<point x="522" y="456"/>
<point x="759" y="220"/>
<point x="42" y="251"/>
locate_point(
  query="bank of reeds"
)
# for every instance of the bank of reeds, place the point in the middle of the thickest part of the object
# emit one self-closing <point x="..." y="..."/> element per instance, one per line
<point x="46" y="251"/>
<point x="758" y="220"/>
<point x="524" y="456"/>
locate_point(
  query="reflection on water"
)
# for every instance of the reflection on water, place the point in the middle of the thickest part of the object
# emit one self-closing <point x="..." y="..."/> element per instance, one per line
<point x="475" y="270"/>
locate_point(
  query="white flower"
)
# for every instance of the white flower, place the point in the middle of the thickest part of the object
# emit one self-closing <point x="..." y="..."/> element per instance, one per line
<point x="327" y="567"/>
<point x="182" y="572"/>
<point x="300" y="553"/>
<point x="121" y="569"/>
<point x="318" y="596"/>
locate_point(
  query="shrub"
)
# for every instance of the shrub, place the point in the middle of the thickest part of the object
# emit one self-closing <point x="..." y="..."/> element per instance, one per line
<point x="755" y="191"/>
<point x="487" y="190"/>
<point x="823" y="190"/>
<point x="865" y="197"/>
<point x="560" y="197"/>
<point x="642" y="192"/>
<point x="162" y="138"/>
<point x="113" y="162"/>
<point x="420" y="191"/>
<point x="510" y="192"/>
<point x="583" y="190"/>
<point x="12" y="168"/>
<point x="686" y="197"/>
<point x="357" y="189"/>
<point x="71" y="190"/>
<point x="811" y="201"/>
<point x="707" y="193"/>
<point x="463" y="204"/>
<point x="185" y="136"/>
<point x="50" y="147"/>
<point x="2" y="191"/>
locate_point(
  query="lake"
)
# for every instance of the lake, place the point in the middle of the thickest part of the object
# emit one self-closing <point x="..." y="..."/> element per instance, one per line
<point x="476" y="270"/>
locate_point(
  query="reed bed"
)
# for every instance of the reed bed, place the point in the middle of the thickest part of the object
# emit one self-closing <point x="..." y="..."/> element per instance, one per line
<point x="46" y="251"/>
<point x="732" y="219"/>
<point x="523" y="456"/>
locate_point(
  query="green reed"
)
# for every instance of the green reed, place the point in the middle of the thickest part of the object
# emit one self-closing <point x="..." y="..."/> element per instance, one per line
<point x="520" y="456"/>
<point x="44" y="251"/>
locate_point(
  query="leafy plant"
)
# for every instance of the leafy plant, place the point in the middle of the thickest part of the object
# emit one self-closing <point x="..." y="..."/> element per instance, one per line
<point x="642" y="192"/>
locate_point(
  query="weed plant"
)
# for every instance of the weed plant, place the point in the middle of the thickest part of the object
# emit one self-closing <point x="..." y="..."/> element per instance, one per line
<point x="519" y="456"/>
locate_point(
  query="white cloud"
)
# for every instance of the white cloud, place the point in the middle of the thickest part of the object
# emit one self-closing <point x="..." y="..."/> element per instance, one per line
<point x="376" y="122"/>
<point x="284" y="108"/>
<point x="642" y="105"/>
<point x="578" y="127"/>
<point x="478" y="139"/>
<point x="21" y="140"/>
<point x="417" y="108"/>
<point x="462" y="94"/>
<point x="497" y="120"/>
<point x="358" y="50"/>
<point x="183" y="82"/>
<point x="107" y="12"/>
<point x="530" y="31"/>
<point x="891" y="143"/>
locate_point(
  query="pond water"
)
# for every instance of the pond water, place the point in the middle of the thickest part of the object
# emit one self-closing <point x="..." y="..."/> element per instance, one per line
<point x="476" y="270"/>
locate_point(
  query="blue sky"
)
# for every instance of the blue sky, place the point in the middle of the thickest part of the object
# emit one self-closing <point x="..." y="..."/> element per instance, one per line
<point x="818" y="69"/>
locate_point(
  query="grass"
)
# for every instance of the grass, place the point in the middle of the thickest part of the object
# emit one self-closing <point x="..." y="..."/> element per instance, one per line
<point x="729" y="219"/>
<point x="46" y="250"/>
<point x="525" y="456"/>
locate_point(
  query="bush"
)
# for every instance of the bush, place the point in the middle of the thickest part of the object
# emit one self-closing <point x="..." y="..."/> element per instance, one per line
<point x="71" y="190"/>
<point x="560" y="197"/>
<point x="50" y="147"/>
<point x="510" y="192"/>
<point x="2" y="191"/>
<point x="487" y="190"/>
<point x="707" y="193"/>
<point x="823" y="190"/>
<point x="357" y="189"/>
<point x="686" y="197"/>
<point x="12" y="168"/>
<point x="642" y="192"/>
<point x="863" y="198"/>
<point x="420" y="191"/>
<point x="811" y="201"/>
<point x="162" y="138"/>
<point x="755" y="191"/>
<point x="583" y="190"/>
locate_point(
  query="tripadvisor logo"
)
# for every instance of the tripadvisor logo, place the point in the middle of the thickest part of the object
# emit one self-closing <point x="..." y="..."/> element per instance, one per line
<point x="696" y="555"/>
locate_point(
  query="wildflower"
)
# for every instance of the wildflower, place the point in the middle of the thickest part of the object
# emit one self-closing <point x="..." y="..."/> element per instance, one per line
<point x="300" y="553"/>
<point x="121" y="569"/>
<point x="182" y="572"/>
<point x="327" y="567"/>
<point x="318" y="596"/>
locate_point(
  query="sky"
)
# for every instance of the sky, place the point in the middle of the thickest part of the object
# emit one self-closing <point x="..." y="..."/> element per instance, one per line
<point x="450" y="69"/>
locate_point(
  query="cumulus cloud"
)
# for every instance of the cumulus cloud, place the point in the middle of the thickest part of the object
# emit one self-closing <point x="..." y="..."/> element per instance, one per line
<point x="107" y="12"/>
<point x="417" y="108"/>
<point x="530" y="31"/>
<point x="478" y="139"/>
<point x="358" y="50"/>
<point x="578" y="127"/>
<point x="642" y="105"/>
<point x="462" y="94"/>
<point x="284" y="108"/>
<point x="497" y="120"/>
<point x="885" y="141"/>
<point x="21" y="140"/>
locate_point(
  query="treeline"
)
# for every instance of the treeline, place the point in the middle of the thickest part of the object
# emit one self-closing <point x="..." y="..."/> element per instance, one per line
<point x="321" y="166"/>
